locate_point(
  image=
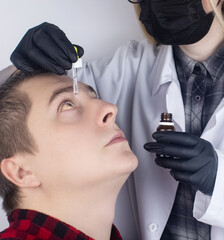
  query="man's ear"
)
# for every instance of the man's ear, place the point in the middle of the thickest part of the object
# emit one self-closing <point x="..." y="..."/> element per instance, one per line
<point x="12" y="168"/>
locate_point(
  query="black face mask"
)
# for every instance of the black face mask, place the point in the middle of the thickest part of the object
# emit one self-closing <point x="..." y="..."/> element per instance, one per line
<point x="175" y="22"/>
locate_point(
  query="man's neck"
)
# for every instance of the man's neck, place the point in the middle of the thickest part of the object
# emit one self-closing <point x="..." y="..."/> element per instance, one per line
<point x="90" y="211"/>
<point x="203" y="49"/>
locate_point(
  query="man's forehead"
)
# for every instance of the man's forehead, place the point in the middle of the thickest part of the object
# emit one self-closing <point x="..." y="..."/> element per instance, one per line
<point x="48" y="83"/>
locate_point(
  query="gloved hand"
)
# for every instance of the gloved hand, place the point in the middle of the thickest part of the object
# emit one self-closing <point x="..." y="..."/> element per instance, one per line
<point x="45" y="47"/>
<point x="192" y="160"/>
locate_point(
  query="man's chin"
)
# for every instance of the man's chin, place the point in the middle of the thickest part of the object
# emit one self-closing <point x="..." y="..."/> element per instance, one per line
<point x="130" y="161"/>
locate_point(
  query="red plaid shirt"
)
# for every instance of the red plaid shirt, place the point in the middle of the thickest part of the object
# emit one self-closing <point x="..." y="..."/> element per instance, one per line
<point x="32" y="225"/>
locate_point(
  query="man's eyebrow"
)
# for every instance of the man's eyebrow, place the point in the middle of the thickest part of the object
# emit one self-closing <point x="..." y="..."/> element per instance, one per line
<point x="57" y="92"/>
<point x="68" y="89"/>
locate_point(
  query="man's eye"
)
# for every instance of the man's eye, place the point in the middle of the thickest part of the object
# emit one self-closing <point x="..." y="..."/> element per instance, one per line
<point x="67" y="105"/>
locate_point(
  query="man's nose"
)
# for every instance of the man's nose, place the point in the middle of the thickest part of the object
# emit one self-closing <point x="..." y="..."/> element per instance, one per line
<point x="107" y="114"/>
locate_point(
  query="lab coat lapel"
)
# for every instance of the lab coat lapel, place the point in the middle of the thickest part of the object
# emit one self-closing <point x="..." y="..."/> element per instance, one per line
<point x="162" y="68"/>
<point x="166" y="94"/>
<point x="213" y="129"/>
<point x="164" y="71"/>
<point x="174" y="103"/>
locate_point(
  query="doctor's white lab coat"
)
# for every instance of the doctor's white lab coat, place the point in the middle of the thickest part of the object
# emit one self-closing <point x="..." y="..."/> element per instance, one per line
<point x="141" y="80"/>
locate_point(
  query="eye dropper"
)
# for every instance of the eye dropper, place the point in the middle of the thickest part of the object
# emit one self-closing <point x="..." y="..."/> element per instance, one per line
<point x="77" y="64"/>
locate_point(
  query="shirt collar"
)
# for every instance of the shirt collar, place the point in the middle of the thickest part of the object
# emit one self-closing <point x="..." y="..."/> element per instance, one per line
<point x="182" y="61"/>
<point x="46" y="227"/>
<point x="214" y="64"/>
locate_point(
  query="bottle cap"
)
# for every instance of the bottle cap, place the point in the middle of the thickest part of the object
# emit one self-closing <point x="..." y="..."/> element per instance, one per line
<point x="166" y="116"/>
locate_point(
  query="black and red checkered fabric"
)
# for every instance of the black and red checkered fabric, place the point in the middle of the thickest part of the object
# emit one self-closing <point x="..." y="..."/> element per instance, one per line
<point x="32" y="225"/>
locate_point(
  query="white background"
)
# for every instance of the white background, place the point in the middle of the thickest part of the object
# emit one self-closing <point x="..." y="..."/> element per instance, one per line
<point x="99" y="26"/>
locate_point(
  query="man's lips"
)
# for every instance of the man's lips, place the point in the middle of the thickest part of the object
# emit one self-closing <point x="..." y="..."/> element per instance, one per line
<point x="118" y="137"/>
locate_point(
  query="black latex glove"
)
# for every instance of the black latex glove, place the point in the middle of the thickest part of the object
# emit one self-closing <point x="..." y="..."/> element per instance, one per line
<point x="45" y="47"/>
<point x="192" y="160"/>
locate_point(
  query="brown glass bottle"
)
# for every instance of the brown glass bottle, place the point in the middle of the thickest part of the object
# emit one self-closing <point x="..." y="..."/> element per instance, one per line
<point x="165" y="124"/>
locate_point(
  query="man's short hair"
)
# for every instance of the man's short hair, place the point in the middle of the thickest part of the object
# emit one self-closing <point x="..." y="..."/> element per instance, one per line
<point x="15" y="137"/>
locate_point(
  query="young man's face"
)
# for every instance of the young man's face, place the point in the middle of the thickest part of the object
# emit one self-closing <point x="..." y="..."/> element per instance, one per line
<point x="74" y="135"/>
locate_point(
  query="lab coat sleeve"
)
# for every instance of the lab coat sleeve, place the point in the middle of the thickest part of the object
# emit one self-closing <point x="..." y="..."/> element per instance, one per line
<point x="114" y="78"/>
<point x="209" y="209"/>
<point x="6" y="73"/>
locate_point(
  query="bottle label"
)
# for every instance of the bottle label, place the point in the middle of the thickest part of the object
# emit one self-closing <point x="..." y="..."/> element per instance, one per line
<point x="166" y="123"/>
